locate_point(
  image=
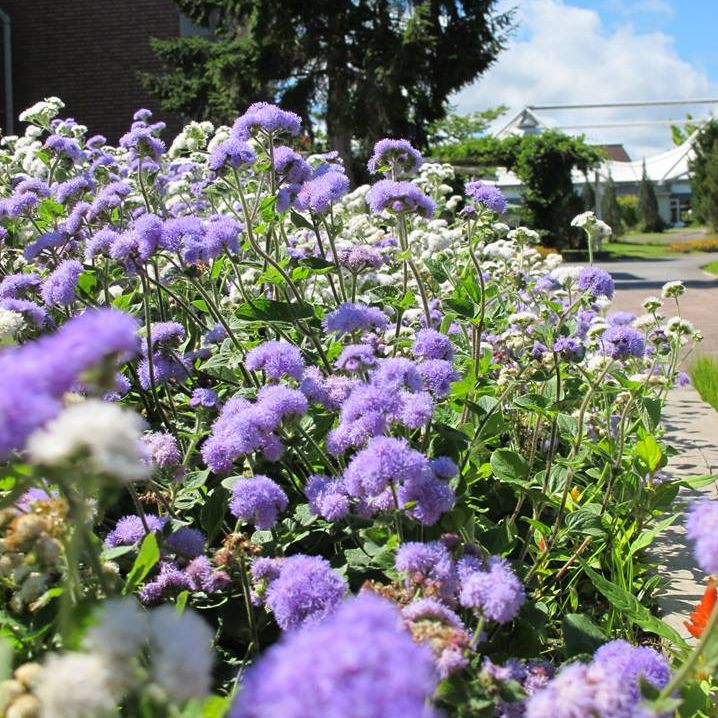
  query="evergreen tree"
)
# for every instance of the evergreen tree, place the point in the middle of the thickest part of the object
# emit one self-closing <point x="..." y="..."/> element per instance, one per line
<point x="610" y="209"/>
<point x="369" y="69"/>
<point x="704" y="168"/>
<point x="648" y="206"/>
<point x="588" y="197"/>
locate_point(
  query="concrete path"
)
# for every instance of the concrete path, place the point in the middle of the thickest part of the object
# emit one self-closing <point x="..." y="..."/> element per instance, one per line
<point x="691" y="428"/>
<point x="637" y="279"/>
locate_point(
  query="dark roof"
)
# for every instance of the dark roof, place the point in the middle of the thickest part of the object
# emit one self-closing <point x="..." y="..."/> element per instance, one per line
<point x="616" y="153"/>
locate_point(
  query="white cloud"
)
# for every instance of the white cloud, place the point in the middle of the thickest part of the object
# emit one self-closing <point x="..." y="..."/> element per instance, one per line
<point x="564" y="54"/>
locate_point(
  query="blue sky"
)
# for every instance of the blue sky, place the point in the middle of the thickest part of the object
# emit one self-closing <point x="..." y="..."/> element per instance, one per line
<point x="581" y="51"/>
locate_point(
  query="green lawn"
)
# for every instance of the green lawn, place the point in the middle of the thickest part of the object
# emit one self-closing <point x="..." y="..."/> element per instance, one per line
<point x="636" y="250"/>
<point x="711" y="267"/>
<point x="704" y="375"/>
<point x="669" y="236"/>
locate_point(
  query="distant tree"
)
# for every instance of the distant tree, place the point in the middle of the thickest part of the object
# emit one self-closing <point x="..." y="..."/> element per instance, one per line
<point x="456" y="128"/>
<point x="679" y="134"/>
<point x="650" y="218"/>
<point x="544" y="163"/>
<point x="704" y="170"/>
<point x="629" y="210"/>
<point x="588" y="197"/>
<point x="368" y="69"/>
<point x="610" y="209"/>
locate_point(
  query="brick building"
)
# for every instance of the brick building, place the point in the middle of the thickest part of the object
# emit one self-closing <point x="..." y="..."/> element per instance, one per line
<point x="86" y="52"/>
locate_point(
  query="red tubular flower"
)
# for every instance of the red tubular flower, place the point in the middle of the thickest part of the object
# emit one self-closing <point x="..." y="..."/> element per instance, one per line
<point x="699" y="618"/>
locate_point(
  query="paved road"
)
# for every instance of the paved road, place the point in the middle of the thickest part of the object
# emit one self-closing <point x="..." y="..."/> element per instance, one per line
<point x="639" y="278"/>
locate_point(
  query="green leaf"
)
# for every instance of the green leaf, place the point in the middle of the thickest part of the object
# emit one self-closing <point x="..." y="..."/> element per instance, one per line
<point x="581" y="635"/>
<point x="148" y="556"/>
<point x="631" y="607"/>
<point x="212" y="514"/>
<point x="5" y="659"/>
<point x="649" y="452"/>
<point x="647" y="537"/>
<point x="299" y="221"/>
<point x="87" y="281"/>
<point x="509" y="467"/>
<point x="586" y="521"/>
<point x="269" y="310"/>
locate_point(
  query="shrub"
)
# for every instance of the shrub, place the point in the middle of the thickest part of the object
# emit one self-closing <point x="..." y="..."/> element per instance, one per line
<point x="704" y="375"/>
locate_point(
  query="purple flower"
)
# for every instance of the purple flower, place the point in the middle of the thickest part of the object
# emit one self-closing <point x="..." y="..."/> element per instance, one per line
<point x="100" y="243"/>
<point x="263" y="116"/>
<point x="399" y="197"/>
<point x="357" y="257"/>
<point x="496" y="592"/>
<point x="491" y="197"/>
<point x="48" y="240"/>
<point x="187" y="542"/>
<point x="257" y="500"/>
<point x="170" y="581"/>
<point x="142" y="142"/>
<point x="427" y="563"/>
<point x="356" y="358"/>
<point x="319" y="193"/>
<point x="429" y="609"/>
<point x="290" y="166"/>
<point x="426" y="498"/>
<point x="163" y="449"/>
<point x="204" y="577"/>
<point x="621" y="342"/>
<point x="276" y="359"/>
<point x="597" y="282"/>
<point x="231" y="153"/>
<point x="620" y="318"/>
<point x="203" y="397"/>
<point x="59" y="286"/>
<point x="430" y="344"/>
<point x="327" y="497"/>
<point x="65" y="147"/>
<point x="348" y="318"/>
<point x="108" y="198"/>
<point x="683" y="379"/>
<point x="701" y="528"/>
<point x="569" y="349"/>
<point x="438" y="376"/>
<point x="395" y="157"/>
<point x="130" y="529"/>
<point x="307" y="587"/>
<point x="13" y="286"/>
<point x="74" y="186"/>
<point x="338" y="668"/>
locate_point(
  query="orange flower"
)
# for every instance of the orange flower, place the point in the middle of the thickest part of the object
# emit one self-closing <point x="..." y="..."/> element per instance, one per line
<point x="699" y="617"/>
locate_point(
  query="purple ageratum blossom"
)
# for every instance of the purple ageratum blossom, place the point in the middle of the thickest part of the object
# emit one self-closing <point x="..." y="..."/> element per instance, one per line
<point x="221" y="233"/>
<point x="416" y="409"/>
<point x="33" y="186"/>
<point x="356" y="358"/>
<point x="203" y="397"/>
<point x="621" y="342"/>
<point x="204" y="577"/>
<point x="166" y="334"/>
<point x="358" y="257"/>
<point x="258" y="500"/>
<point x="72" y="187"/>
<point x="426" y="497"/>
<point x="701" y="523"/>
<point x="307" y="588"/>
<point x="276" y="359"/>
<point x="108" y="198"/>
<point x="348" y="318"/>
<point x="186" y="542"/>
<point x="163" y="449"/>
<point x="496" y="593"/>
<point x="164" y="369"/>
<point x="73" y="224"/>
<point x="65" y="147"/>
<point x="265" y="117"/>
<point x="58" y="288"/>
<point x="396" y="157"/>
<point x="634" y="664"/>
<point x="383" y="462"/>
<point x="48" y="240"/>
<point x="276" y="402"/>
<point x="620" y="318"/>
<point x="300" y="676"/>
<point x="100" y="243"/>
<point x="327" y="497"/>
<point x="142" y="142"/>
<point x="130" y="529"/>
<point x="232" y="153"/>
<point x="491" y="197"/>
<point x="290" y="166"/>
<point x="215" y="335"/>
<point x="597" y="282"/>
<point x="318" y="193"/>
<point x="399" y="197"/>
<point x="170" y="581"/>
<point x="428" y="565"/>
<point x="430" y="344"/>
<point x="683" y="379"/>
<point x="397" y="373"/>
<point x="570" y="349"/>
<point x="438" y="376"/>
<point x="14" y="286"/>
<point x="429" y="609"/>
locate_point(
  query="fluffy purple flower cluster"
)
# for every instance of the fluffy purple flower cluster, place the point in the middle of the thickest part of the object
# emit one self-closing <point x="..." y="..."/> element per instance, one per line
<point x="702" y="530"/>
<point x="363" y="649"/>
<point x="320" y="192"/>
<point x="171" y="579"/>
<point x="267" y="118"/>
<point x="258" y="500"/>
<point x="276" y="359"/>
<point x="349" y="318"/>
<point x="244" y="427"/>
<point x="608" y="686"/>
<point x="597" y="282"/>
<point x="487" y="195"/>
<point x="395" y="157"/>
<point x="34" y="377"/>
<point x="166" y="363"/>
<point x="298" y="589"/>
<point x="489" y="587"/>
<point x="621" y="342"/>
<point x="389" y="195"/>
